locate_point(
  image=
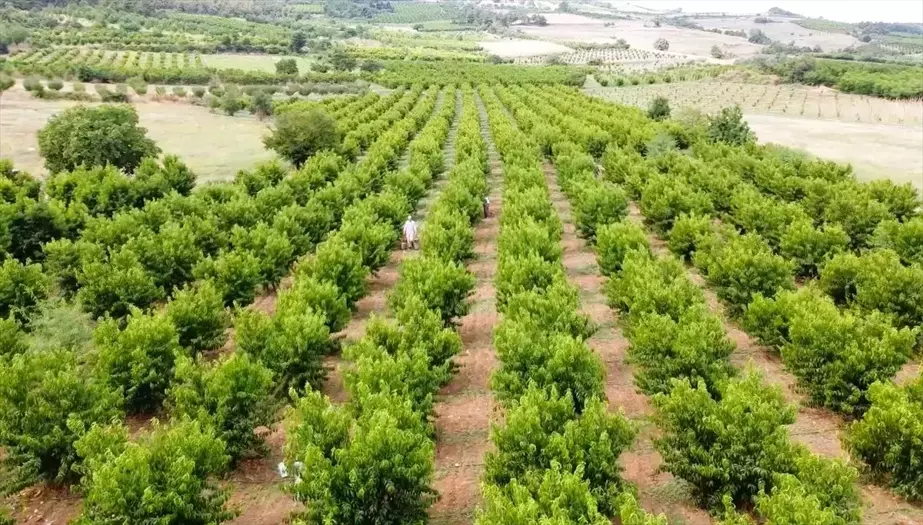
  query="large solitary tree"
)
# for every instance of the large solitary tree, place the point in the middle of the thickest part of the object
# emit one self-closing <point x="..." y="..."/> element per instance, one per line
<point x="108" y="134"/>
<point x="301" y="134"/>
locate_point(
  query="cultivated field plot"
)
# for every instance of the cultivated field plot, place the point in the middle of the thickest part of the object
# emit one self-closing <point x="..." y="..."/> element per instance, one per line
<point x="213" y="145"/>
<point x="518" y="48"/>
<point x="575" y="28"/>
<point x="102" y="57"/>
<point x="612" y="58"/>
<point x="783" y="30"/>
<point x="251" y="62"/>
<point x="876" y="151"/>
<point x="783" y="99"/>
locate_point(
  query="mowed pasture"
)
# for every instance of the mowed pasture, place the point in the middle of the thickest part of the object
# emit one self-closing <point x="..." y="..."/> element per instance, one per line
<point x="251" y="62"/>
<point x="639" y="34"/>
<point x="215" y="146"/>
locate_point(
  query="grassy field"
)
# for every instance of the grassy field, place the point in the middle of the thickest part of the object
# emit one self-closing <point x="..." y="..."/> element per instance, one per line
<point x="213" y="145"/>
<point x="776" y="99"/>
<point x="252" y="62"/>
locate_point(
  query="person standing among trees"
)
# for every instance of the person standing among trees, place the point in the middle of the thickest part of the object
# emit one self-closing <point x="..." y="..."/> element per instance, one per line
<point x="410" y="235"/>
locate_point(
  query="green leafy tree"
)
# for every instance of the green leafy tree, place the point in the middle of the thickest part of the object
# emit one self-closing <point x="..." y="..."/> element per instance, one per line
<point x="339" y="263"/>
<point x="47" y="402"/>
<point x="234" y="395"/>
<point x="387" y="443"/>
<point x="291" y="345"/>
<point x="299" y="135"/>
<point x="22" y="288"/>
<point x="614" y="241"/>
<point x="341" y="60"/>
<point x="161" y="477"/>
<point x="114" y="287"/>
<point x="298" y="41"/>
<point x="200" y="317"/>
<point x="727" y="446"/>
<point x="543" y="429"/>
<point x="443" y="286"/>
<point x="287" y="66"/>
<point x="729" y="127"/>
<point x="95" y="136"/>
<point x="139" y="360"/>
<point x="687" y="232"/>
<point x="659" y="109"/>
<point x="236" y="274"/>
<point x="261" y="104"/>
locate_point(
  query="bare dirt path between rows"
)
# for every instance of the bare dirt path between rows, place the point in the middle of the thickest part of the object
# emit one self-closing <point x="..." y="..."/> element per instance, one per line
<point x="659" y="492"/>
<point x="465" y="407"/>
<point x="817" y="428"/>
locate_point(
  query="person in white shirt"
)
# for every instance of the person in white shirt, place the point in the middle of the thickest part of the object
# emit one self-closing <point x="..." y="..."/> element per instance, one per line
<point x="410" y="235"/>
<point x="486" y="206"/>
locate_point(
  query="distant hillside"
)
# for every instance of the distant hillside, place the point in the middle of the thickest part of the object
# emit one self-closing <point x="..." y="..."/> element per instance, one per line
<point x="782" y="12"/>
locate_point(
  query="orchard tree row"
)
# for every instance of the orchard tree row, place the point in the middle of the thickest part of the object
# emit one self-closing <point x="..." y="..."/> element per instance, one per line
<point x="741" y="456"/>
<point x="555" y="456"/>
<point x="395" y="370"/>
<point x="824" y="216"/>
<point x="66" y="385"/>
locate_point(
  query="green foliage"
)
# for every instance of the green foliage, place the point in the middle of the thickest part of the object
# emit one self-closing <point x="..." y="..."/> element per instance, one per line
<point x="729" y="127"/>
<point x="906" y="239"/>
<point x="337" y="262"/>
<point x="236" y="274"/>
<point x="532" y="357"/>
<point x="598" y="204"/>
<point x="517" y="275"/>
<point x="287" y="66"/>
<point x="745" y="266"/>
<point x="12" y="339"/>
<point x="809" y="247"/>
<point x="555" y="309"/>
<point x="543" y="429"/>
<point x="138" y="361"/>
<point x="261" y="104"/>
<point x="631" y="513"/>
<point x="648" y="285"/>
<point x="47" y="401"/>
<point x="615" y="240"/>
<point x="98" y="136"/>
<point x="300" y="135"/>
<point x="234" y="395"/>
<point x="199" y="316"/>
<point x="386" y="443"/>
<point x="162" y="477"/>
<point x="443" y="285"/>
<point x="448" y="236"/>
<point x="549" y="496"/>
<point x="114" y="287"/>
<point x="888" y="437"/>
<point x="22" y="287"/>
<point x="727" y="446"/>
<point x="686" y="233"/>
<point x="292" y="345"/>
<point x="659" y="109"/>
<point x="694" y="347"/>
<point x="320" y="297"/>
<point x="665" y="198"/>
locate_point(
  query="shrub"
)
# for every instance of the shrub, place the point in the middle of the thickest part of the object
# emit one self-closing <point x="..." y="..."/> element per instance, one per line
<point x="138" y="361"/>
<point x="300" y="135"/>
<point x="233" y="395"/>
<point x="809" y="247"/>
<point x="906" y="239"/>
<point x="236" y="274"/>
<point x="12" y="339"/>
<point x="163" y="476"/>
<point x="686" y="233"/>
<point x="199" y="316"/>
<point x="416" y="328"/>
<point x="598" y="204"/>
<point x="555" y="309"/>
<point x="309" y="294"/>
<point x="743" y="267"/>
<point x="287" y="66"/>
<point x="517" y="275"/>
<point x="530" y="356"/>
<point x="661" y="44"/>
<point x="543" y="429"/>
<point x="115" y="287"/>
<point x="614" y="241"/>
<point x="179" y="91"/>
<point x="442" y="285"/>
<point x="55" y="85"/>
<point x="22" y="287"/>
<point x="387" y="443"/>
<point x="198" y="92"/>
<point x="448" y="236"/>
<point x="108" y="134"/>
<point x="727" y="446"/>
<point x="47" y="401"/>
<point x="729" y="127"/>
<point x="338" y="263"/>
<point x="547" y="496"/>
<point x="888" y="437"/>
<point x="664" y="198"/>
<point x="648" y="285"/>
<point x="694" y="347"/>
<point x="659" y="109"/>
<point x="291" y="345"/>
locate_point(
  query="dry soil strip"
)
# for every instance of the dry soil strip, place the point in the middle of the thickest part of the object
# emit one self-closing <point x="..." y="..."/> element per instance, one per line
<point x="816" y="428"/>
<point x="464" y="407"/>
<point x="658" y="491"/>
